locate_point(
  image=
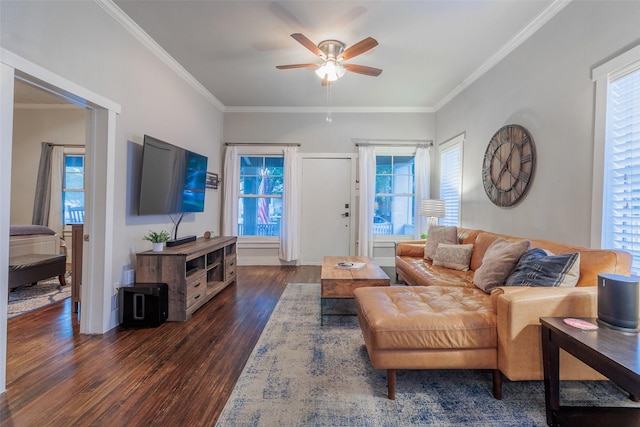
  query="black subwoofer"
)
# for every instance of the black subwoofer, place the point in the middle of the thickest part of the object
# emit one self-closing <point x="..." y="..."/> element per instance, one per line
<point x="144" y="305"/>
<point x="618" y="302"/>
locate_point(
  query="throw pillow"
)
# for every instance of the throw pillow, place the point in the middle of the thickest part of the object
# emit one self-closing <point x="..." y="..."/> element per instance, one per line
<point x="439" y="234"/>
<point x="540" y="268"/>
<point x="498" y="262"/>
<point x="456" y="257"/>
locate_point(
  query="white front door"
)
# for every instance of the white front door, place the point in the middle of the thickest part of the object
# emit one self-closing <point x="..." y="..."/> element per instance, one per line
<point x="326" y="208"/>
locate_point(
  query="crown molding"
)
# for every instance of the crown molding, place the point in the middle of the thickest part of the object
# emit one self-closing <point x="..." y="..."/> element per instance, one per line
<point x="334" y="110"/>
<point x="123" y="19"/>
<point x="530" y="29"/>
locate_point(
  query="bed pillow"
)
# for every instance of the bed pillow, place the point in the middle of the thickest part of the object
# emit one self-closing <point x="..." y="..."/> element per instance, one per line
<point x="439" y="234"/>
<point x="456" y="257"/>
<point x="498" y="262"/>
<point x="538" y="267"/>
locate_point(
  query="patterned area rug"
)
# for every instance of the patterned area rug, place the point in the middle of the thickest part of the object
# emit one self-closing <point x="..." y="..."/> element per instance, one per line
<point x="302" y="374"/>
<point x="27" y="298"/>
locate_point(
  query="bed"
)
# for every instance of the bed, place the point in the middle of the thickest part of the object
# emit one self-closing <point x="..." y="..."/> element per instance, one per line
<point x="35" y="253"/>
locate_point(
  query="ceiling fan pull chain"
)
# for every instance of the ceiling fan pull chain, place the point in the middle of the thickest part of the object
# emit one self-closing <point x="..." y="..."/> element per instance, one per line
<point x="328" y="119"/>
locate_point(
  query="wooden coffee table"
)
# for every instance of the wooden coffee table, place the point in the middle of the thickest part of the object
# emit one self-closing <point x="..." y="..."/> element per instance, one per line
<point x="339" y="284"/>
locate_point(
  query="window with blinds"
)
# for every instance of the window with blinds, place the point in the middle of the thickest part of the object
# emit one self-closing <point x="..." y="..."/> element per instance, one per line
<point x="621" y="187"/>
<point x="451" y="179"/>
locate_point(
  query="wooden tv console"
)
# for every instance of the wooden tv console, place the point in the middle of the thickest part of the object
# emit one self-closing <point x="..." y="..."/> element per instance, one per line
<point x="195" y="272"/>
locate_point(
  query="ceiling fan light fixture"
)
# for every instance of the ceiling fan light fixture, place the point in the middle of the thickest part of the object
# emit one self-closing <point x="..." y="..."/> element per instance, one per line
<point x="331" y="70"/>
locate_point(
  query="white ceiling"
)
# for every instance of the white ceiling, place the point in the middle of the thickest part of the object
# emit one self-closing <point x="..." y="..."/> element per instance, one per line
<point x="428" y="50"/>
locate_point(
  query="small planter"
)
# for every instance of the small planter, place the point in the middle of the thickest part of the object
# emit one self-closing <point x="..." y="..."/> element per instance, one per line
<point x="157" y="239"/>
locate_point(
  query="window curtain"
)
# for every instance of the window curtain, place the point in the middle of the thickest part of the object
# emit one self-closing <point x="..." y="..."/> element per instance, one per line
<point x="422" y="168"/>
<point x="230" y="181"/>
<point x="290" y="224"/>
<point x="43" y="187"/>
<point x="47" y="203"/>
<point x="367" y="169"/>
<point x="57" y="179"/>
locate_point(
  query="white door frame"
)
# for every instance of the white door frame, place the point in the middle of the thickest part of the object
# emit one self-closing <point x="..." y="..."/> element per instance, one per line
<point x="100" y="174"/>
<point x="354" y="164"/>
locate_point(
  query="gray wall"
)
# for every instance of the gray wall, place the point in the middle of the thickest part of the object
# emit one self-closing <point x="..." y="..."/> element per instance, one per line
<point x="544" y="85"/>
<point x="317" y="136"/>
<point x="83" y="44"/>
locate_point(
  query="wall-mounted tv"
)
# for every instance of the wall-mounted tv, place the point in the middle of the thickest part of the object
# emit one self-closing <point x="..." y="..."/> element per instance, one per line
<point x="173" y="179"/>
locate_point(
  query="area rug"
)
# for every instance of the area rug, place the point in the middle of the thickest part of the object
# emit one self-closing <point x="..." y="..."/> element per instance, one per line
<point x="28" y="298"/>
<point x="303" y="374"/>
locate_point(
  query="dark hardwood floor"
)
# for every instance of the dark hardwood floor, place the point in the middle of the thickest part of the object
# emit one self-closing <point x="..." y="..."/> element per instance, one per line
<point x="180" y="373"/>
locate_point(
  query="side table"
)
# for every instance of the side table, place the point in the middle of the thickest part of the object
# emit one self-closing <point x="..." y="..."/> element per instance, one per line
<point x="614" y="354"/>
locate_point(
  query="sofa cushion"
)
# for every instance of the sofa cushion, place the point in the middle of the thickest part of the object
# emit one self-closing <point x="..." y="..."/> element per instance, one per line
<point x="539" y="268"/>
<point x="499" y="261"/>
<point x="439" y="234"/>
<point x="421" y="272"/>
<point x="453" y="256"/>
<point x="427" y="317"/>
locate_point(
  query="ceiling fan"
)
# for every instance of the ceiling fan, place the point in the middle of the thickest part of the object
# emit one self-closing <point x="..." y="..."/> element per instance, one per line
<point x="332" y="53"/>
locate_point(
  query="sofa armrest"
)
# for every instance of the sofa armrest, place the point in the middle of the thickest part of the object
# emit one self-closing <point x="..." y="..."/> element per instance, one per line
<point x="518" y="321"/>
<point x="413" y="248"/>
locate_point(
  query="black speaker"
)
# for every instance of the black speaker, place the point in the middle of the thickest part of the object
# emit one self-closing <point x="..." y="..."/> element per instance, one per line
<point x="144" y="305"/>
<point x="618" y="302"/>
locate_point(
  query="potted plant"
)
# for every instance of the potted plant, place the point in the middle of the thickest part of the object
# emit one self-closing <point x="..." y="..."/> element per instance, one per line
<point x="157" y="239"/>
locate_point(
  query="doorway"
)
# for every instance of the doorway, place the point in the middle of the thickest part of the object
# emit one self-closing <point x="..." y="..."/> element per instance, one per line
<point x="41" y="116"/>
<point x="100" y="144"/>
<point x="328" y="209"/>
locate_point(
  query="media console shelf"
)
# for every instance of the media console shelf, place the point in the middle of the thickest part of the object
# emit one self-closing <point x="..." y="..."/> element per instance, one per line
<point x="195" y="272"/>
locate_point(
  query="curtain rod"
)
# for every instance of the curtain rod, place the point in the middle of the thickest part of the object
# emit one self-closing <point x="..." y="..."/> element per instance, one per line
<point x="394" y="142"/>
<point x="65" y="145"/>
<point x="272" y="144"/>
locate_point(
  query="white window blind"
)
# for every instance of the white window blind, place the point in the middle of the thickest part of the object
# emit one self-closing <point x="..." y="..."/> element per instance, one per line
<point x="621" y="198"/>
<point x="451" y="180"/>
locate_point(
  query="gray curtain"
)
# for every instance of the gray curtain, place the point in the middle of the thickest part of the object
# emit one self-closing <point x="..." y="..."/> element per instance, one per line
<point x="43" y="187"/>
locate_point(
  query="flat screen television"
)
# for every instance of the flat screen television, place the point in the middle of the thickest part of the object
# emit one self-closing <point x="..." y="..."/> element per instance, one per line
<point x="173" y="179"/>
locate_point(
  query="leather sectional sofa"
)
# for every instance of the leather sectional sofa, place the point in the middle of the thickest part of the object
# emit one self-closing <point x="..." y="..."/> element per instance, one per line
<point x="444" y="321"/>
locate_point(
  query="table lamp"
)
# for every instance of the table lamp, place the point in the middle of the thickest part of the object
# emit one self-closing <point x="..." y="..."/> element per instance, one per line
<point x="432" y="209"/>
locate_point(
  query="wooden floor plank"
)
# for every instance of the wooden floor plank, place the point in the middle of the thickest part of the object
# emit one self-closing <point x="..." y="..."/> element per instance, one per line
<point x="180" y="373"/>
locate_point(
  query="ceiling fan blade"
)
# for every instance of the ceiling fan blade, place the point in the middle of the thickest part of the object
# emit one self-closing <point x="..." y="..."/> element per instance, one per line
<point x="363" y="69"/>
<point x="359" y="48"/>
<point x="304" y="41"/>
<point x="288" y="67"/>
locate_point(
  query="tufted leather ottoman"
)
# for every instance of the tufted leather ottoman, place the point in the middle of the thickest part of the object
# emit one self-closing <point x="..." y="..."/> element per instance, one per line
<point x="428" y="327"/>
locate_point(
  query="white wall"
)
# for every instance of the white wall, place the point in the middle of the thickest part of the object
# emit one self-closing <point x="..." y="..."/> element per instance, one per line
<point x="544" y="85"/>
<point x="317" y="136"/>
<point x="31" y="127"/>
<point x="82" y="43"/>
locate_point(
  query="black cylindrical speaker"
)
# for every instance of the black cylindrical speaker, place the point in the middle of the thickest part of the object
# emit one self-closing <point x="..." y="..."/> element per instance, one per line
<point x="618" y="302"/>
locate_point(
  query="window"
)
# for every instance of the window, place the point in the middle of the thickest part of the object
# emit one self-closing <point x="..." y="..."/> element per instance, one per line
<point x="621" y="184"/>
<point x="73" y="189"/>
<point x="260" y="198"/>
<point x="394" y="208"/>
<point x="451" y="179"/>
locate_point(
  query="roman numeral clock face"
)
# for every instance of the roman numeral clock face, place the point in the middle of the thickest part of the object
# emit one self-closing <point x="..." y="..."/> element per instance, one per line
<point x="508" y="165"/>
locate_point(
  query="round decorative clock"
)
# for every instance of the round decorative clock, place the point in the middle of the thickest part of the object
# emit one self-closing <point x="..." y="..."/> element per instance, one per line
<point x="508" y="165"/>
